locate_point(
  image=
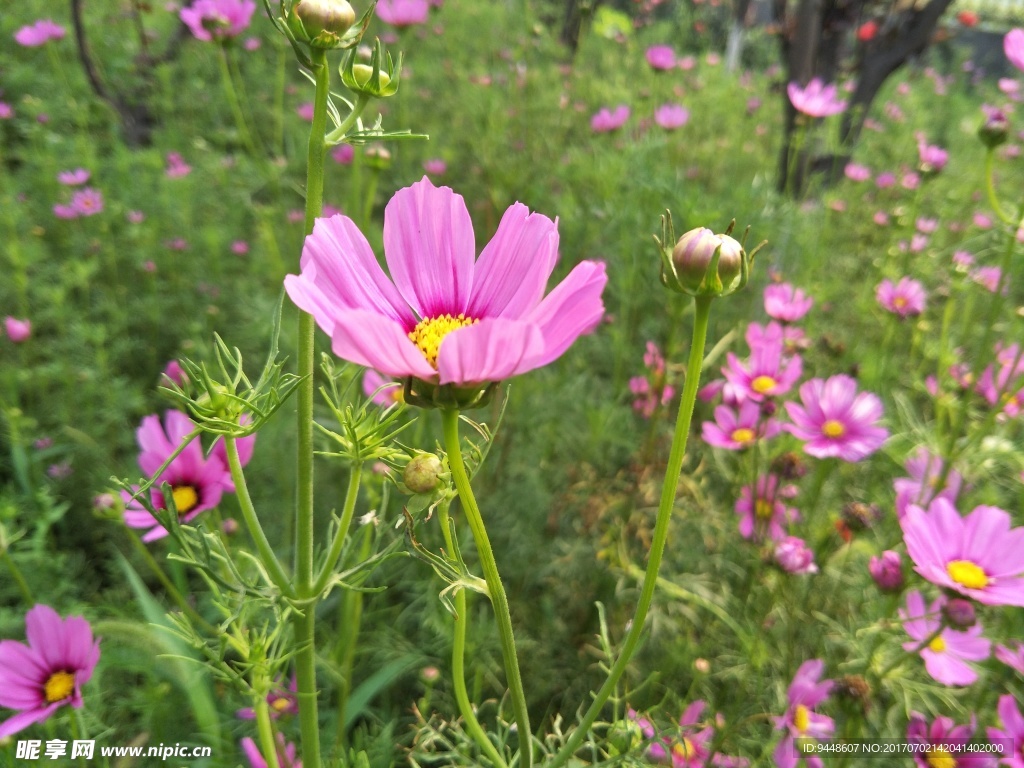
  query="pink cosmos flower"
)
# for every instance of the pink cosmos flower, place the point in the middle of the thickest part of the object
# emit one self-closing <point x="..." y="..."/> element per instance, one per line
<point x="239" y="247"/>
<point x="87" y="202"/>
<point x="39" y="678"/>
<point x="794" y="556"/>
<point x="767" y="514"/>
<point x="443" y="317"/>
<point x="6" y="111"/>
<point x="1012" y="657"/>
<point x="671" y="116"/>
<point x="687" y="63"/>
<point x="805" y="693"/>
<point x="403" y="13"/>
<point x="910" y="180"/>
<point x="382" y="390"/>
<point x="285" y="753"/>
<point x="305" y="111"/>
<point x="176" y="166"/>
<point x="62" y="211"/>
<point x="690" y="749"/>
<point x="661" y="57"/>
<point x="943" y="744"/>
<point x="39" y="33"/>
<point x="815" y="99"/>
<point x="998" y="388"/>
<point x="835" y="420"/>
<point x="856" y="172"/>
<point x="933" y="158"/>
<point x="979" y="556"/>
<point x="1013" y="46"/>
<point x="887" y="571"/>
<point x="17" y="330"/>
<point x="736" y="431"/>
<point x="1011" y="734"/>
<point x="906" y="298"/>
<point x="785" y="303"/>
<point x="988" y="278"/>
<point x="173" y="374"/>
<point x="946" y="655"/>
<point x="343" y="154"/>
<point x="606" y="120"/>
<point x="982" y="221"/>
<point x="135" y="217"/>
<point x="881" y="218"/>
<point x="926" y="226"/>
<point x="885" y="180"/>
<point x="252" y="43"/>
<point x="764" y="375"/>
<point x="73" y="178"/>
<point x="282" y="701"/>
<point x="218" y="19"/>
<point x="922" y="486"/>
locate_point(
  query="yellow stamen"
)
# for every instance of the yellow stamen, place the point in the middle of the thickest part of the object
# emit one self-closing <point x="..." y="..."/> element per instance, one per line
<point x="938" y="757"/>
<point x="899" y="302"/>
<point x="938" y="645"/>
<point x="185" y="498"/>
<point x="763" y="384"/>
<point x="280" y="704"/>
<point x="59" y="686"/>
<point x="833" y="428"/>
<point x="763" y="509"/>
<point x="967" y="574"/>
<point x="801" y="718"/>
<point x="430" y="332"/>
<point x="742" y="435"/>
<point x="398" y="394"/>
<point x="684" y="749"/>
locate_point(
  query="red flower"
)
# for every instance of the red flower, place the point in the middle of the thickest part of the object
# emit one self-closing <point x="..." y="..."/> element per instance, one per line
<point x="967" y="18"/>
<point x="867" y="31"/>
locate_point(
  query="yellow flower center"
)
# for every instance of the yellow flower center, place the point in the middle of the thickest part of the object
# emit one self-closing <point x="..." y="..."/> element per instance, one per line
<point x="899" y="302"/>
<point x="763" y="509"/>
<point x="763" y="384"/>
<point x="59" y="686"/>
<point x="802" y="718"/>
<point x="938" y="645"/>
<point x="185" y="498"/>
<point x="280" y="704"/>
<point x="398" y="394"/>
<point x="430" y="332"/>
<point x="938" y="757"/>
<point x="742" y="435"/>
<point x="833" y="428"/>
<point x="684" y="749"/>
<point x="967" y="574"/>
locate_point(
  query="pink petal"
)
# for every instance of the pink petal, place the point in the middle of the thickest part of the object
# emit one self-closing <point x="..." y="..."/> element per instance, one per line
<point x="366" y="338"/>
<point x="491" y="350"/>
<point x="24" y="719"/>
<point x="573" y="308"/>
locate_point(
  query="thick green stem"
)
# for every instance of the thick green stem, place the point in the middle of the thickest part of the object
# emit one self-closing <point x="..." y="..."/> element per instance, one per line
<point x="347" y="512"/>
<point x="252" y="522"/>
<point x="660" y="537"/>
<point x="450" y="425"/>
<point x="305" y="623"/>
<point x="266" y="732"/>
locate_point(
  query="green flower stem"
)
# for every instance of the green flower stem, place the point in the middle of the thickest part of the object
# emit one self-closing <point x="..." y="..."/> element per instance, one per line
<point x="18" y="577"/>
<point x="660" y="537"/>
<point x="305" y="622"/>
<point x="266" y="732"/>
<point x="252" y="522"/>
<point x="990" y="187"/>
<point x="351" y="495"/>
<point x="342" y="130"/>
<point x="459" y="657"/>
<point x="450" y="426"/>
<point x="232" y="97"/>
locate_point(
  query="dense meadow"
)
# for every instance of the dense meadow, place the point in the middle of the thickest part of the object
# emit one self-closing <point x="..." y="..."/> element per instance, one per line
<point x="840" y="560"/>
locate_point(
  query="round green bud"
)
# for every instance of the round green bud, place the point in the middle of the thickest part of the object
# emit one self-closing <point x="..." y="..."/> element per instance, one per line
<point x="324" y="20"/>
<point x="423" y="473"/>
<point x="692" y="256"/>
<point x="730" y="261"/>
<point x="363" y="73"/>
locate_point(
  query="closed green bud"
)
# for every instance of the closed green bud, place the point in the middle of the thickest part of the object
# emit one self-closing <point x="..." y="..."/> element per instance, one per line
<point x="702" y="263"/>
<point x="423" y="473"/>
<point x="321" y="23"/>
<point x="379" y="78"/>
<point x="692" y="256"/>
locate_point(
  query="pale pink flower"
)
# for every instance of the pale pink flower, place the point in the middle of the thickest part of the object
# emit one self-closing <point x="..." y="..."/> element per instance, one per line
<point x="815" y="99"/>
<point x="87" y="202"/>
<point x="18" y="331"/>
<point x="661" y="57"/>
<point x="606" y="120"/>
<point x="905" y="298"/>
<point x="785" y="303"/>
<point x="39" y="33"/>
<point x="671" y="116"/>
<point x="403" y="13"/>
<point x="343" y="154"/>
<point x="1013" y="47"/>
<point x="794" y="556"/>
<point x="856" y="172"/>
<point x="73" y="178"/>
<point x="218" y="19"/>
<point x="435" y="166"/>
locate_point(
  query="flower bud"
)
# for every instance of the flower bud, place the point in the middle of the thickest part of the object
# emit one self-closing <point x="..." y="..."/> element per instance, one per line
<point x="794" y="556"/>
<point x="887" y="571"/>
<point x="321" y="23"/>
<point x="363" y="72"/>
<point x="959" y="613"/>
<point x="377" y="157"/>
<point x="692" y="256"/>
<point x="379" y="78"/>
<point x="423" y="473"/>
<point x="995" y="129"/>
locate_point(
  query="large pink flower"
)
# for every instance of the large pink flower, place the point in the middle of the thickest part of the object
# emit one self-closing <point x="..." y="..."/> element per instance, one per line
<point x="446" y="318"/>
<point x="979" y="556"/>
<point x="835" y="420"/>
<point x="39" y="678"/>
<point x="218" y="19"/>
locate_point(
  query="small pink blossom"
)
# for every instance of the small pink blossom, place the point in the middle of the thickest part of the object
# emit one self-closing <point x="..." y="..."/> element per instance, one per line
<point x="62" y="211"/>
<point x="403" y="13"/>
<point x="18" y="331"/>
<point x="881" y="218"/>
<point x="738" y="430"/>
<point x="933" y="158"/>
<point x="135" y="217"/>
<point x="6" y="111"/>
<point x="176" y="166"/>
<point x="794" y="556"/>
<point x="661" y="57"/>
<point x="435" y="166"/>
<point x="87" y="202"/>
<point x="815" y="99"/>
<point x="606" y="120"/>
<point x="905" y="298"/>
<point x="766" y="515"/>
<point x="887" y="571"/>
<point x="857" y="172"/>
<point x="982" y="221"/>
<point x="73" y="178"/>
<point x="785" y="303"/>
<point x="800" y="721"/>
<point x="885" y="180"/>
<point x="343" y="154"/>
<point x="40" y="33"/>
<point x="305" y="111"/>
<point x="988" y="278"/>
<point x="671" y="116"/>
<point x="218" y="19"/>
<point x="240" y="247"/>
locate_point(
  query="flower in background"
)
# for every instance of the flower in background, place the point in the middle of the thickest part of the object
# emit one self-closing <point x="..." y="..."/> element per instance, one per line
<point x="764" y="375"/>
<point x="834" y="420"/>
<point x="988" y="278"/>
<point x="967" y="18"/>
<point x="815" y="99"/>
<point x="344" y="154"/>
<point x="661" y="57"/>
<point x="691" y="749"/>
<point x="176" y="166"/>
<point x="173" y="374"/>
<point x="435" y="166"/>
<point x="39" y="678"/>
<point x="979" y="556"/>
<point x="857" y="172"/>
<point x="217" y="19"/>
<point x="933" y="158"/>
<point x="997" y="388"/>
<point x="1013" y="47"/>
<point x="305" y="111"/>
<point x="135" y="217"/>
<point x="671" y="116"/>
<point x="1012" y="657"/>
<point x="805" y="693"/>
<point x="6" y="111"/>
<point x="40" y="33"/>
<point x="982" y="221"/>
<point x="881" y="218"/>
<point x="1012" y="732"/>
<point x="382" y="390"/>
<point x="252" y="43"/>
<point x="17" y="330"/>
<point x="73" y="178"/>
<point x="239" y="247"/>
<point x="910" y="180"/>
<point x="651" y="389"/>
<point x="885" y="180"/>
<point x="922" y="487"/>
<point x="403" y="13"/>
<point x="767" y="513"/>
<point x="737" y="430"/>
<point x="926" y="226"/>
<point x="285" y="753"/>
<point x="785" y="303"/>
<point x="867" y="31"/>
<point x="887" y="571"/>
<point x="445" y="317"/>
<point x="946" y="654"/>
<point x="905" y="298"/>
<point x="942" y="745"/>
<point x="606" y="120"/>
<point x="794" y="556"/>
<point x="282" y="701"/>
<point x="87" y="202"/>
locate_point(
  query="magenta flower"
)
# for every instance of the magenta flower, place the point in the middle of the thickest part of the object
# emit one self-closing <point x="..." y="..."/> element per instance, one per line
<point x="946" y="655"/>
<point x="218" y="19"/>
<point x="605" y="120"/>
<point x="403" y="13"/>
<point x="1011" y="657"/>
<point x="1011" y="734"/>
<point x="857" y="172"/>
<point x="765" y="374"/>
<point x="671" y="116"/>
<point x="943" y="744"/>
<point x="176" y="166"/>
<point x="39" y="33"/>
<point x="344" y="154"/>
<point x="285" y="753"/>
<point x="785" y="303"/>
<point x="382" y="390"/>
<point x="933" y="158"/>
<point x="979" y="556"/>
<point x="805" y="693"/>
<point x="661" y="57"/>
<point x="197" y="481"/>
<point x="240" y="247"/>
<point x="998" y="387"/>
<point x="6" y="111"/>
<point x="443" y="317"/>
<point x="39" y="678"/>
<point x="17" y="330"/>
<point x="87" y="202"/>
<point x="887" y="571"/>
<point x="815" y="99"/>
<point x="885" y="180"/>
<point x="767" y="514"/>
<point x="736" y="430"/>
<point x="834" y="420"/>
<point x="305" y="111"/>
<point x="435" y="166"/>
<point x="1013" y="46"/>
<point x="282" y="702"/>
<point x="923" y="484"/>
<point x="988" y="278"/>
<point x="691" y="749"/>
<point x="173" y="374"/>
<point x="906" y="298"/>
<point x="794" y="556"/>
<point x="73" y="178"/>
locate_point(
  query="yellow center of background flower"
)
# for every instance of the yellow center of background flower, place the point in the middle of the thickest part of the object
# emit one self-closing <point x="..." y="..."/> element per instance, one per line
<point x="833" y="428"/>
<point x="185" y="498"/>
<point x="280" y="704"/>
<point x="684" y="749"/>
<point x="430" y="332"/>
<point x="763" y="384"/>
<point x="899" y="302"/>
<point x="742" y="435"/>
<point x="938" y="645"/>
<point x="967" y="574"/>
<point x="763" y="509"/>
<point x="59" y="686"/>
<point x="938" y="757"/>
<point x="801" y="718"/>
